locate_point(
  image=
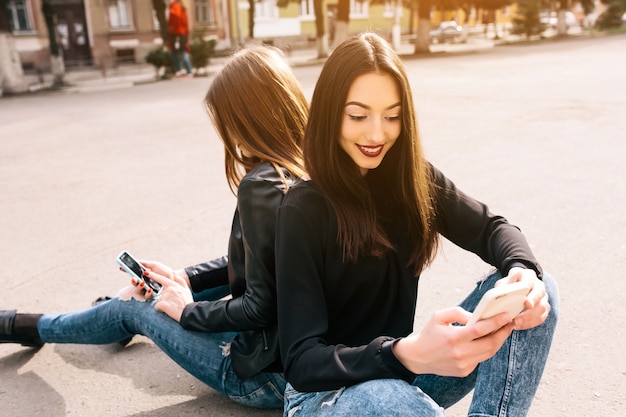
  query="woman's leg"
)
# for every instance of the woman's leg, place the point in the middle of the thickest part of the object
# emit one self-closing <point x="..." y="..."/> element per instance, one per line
<point x="505" y="384"/>
<point x="212" y="294"/>
<point x="381" y="397"/>
<point x="186" y="62"/>
<point x="204" y="355"/>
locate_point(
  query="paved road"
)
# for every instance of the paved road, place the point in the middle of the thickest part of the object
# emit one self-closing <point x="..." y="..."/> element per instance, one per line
<point x="536" y="131"/>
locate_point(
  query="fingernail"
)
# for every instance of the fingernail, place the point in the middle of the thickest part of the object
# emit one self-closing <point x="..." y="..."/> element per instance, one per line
<point x="142" y="284"/>
<point x="146" y="272"/>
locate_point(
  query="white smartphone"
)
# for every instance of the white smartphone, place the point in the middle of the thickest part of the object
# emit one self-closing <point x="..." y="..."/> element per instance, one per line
<point x="135" y="269"/>
<point x="507" y="298"/>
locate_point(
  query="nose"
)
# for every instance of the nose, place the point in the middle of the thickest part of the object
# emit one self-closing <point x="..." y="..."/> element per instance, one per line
<point x="377" y="132"/>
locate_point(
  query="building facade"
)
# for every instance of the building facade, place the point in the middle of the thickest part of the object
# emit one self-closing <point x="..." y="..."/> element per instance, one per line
<point x="104" y="32"/>
<point x="109" y="32"/>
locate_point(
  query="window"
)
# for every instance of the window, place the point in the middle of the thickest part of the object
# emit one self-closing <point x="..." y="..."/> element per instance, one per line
<point x="204" y="12"/>
<point x="389" y="10"/>
<point x="19" y="15"/>
<point x="358" y="9"/>
<point x="306" y="8"/>
<point x="266" y="9"/>
<point x="119" y="14"/>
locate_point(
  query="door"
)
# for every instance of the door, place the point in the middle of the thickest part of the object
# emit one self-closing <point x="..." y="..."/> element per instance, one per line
<point x="71" y="28"/>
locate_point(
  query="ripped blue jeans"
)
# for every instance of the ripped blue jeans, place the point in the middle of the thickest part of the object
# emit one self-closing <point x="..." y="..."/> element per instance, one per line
<point x="504" y="386"/>
<point x="204" y="355"/>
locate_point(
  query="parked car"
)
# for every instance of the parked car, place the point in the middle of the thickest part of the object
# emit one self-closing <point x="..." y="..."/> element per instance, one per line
<point x="446" y="32"/>
<point x="551" y="19"/>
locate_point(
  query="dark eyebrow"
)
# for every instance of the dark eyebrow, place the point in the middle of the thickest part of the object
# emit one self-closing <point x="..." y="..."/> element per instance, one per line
<point x="365" y="106"/>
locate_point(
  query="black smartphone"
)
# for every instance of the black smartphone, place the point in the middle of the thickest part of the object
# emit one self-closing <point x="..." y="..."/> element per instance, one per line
<point x="135" y="269"/>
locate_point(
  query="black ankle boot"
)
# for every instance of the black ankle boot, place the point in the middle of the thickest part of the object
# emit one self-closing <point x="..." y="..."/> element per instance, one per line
<point x="25" y="336"/>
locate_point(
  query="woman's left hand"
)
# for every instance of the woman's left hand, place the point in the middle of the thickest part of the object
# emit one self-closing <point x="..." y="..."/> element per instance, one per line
<point x="536" y="306"/>
<point x="174" y="295"/>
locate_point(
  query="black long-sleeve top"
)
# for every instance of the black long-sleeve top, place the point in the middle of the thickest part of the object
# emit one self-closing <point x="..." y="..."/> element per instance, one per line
<point x="337" y="320"/>
<point x="249" y="269"/>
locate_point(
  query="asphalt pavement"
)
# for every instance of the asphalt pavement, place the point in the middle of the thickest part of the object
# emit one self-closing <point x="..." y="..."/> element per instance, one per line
<point x="534" y="130"/>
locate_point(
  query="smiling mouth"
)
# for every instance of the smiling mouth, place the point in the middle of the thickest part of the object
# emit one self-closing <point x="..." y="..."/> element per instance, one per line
<point x="370" y="151"/>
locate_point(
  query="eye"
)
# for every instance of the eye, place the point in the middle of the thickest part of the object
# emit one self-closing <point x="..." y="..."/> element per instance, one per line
<point x="356" y="118"/>
<point x="393" y="118"/>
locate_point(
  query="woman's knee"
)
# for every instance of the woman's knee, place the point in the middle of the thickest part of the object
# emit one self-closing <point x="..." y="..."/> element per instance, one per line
<point x="552" y="289"/>
<point x="388" y="397"/>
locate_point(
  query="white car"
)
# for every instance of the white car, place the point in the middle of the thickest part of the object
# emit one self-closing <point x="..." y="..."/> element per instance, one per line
<point x="551" y="19"/>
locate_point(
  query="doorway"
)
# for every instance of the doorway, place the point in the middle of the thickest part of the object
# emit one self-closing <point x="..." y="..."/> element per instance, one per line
<point x="71" y="29"/>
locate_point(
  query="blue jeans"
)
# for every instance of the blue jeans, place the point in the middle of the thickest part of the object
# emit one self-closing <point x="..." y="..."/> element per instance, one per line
<point x="504" y="385"/>
<point x="204" y="355"/>
<point x="181" y="58"/>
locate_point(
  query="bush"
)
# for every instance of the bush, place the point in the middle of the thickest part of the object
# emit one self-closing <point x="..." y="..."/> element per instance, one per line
<point x="161" y="58"/>
<point x="201" y="49"/>
<point x="612" y="16"/>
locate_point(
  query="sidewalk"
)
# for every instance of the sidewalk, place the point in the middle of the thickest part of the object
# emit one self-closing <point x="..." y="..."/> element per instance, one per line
<point x="125" y="76"/>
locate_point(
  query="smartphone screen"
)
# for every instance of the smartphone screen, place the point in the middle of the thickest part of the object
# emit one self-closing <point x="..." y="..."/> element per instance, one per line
<point x="132" y="264"/>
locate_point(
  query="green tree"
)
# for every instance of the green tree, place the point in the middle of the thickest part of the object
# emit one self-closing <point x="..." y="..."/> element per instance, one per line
<point x="612" y="16"/>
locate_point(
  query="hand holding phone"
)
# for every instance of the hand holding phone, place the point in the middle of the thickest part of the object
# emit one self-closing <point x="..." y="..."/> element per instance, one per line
<point x="508" y="298"/>
<point x="135" y="269"/>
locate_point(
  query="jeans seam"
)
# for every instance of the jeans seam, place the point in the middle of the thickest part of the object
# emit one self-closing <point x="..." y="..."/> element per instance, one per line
<point x="506" y="395"/>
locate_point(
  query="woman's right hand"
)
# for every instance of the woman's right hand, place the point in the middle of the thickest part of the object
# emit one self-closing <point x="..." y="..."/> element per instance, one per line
<point x="166" y="271"/>
<point x="444" y="349"/>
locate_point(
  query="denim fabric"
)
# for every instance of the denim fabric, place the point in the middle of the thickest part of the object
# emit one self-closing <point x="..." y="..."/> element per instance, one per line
<point x="204" y="355"/>
<point x="181" y="58"/>
<point x="380" y="397"/>
<point x="504" y="386"/>
<point x="212" y="294"/>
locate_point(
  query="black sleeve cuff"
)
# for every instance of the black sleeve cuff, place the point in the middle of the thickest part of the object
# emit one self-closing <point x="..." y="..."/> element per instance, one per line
<point x="390" y="360"/>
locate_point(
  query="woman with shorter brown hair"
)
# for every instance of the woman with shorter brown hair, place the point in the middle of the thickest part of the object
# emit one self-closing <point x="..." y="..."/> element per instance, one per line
<point x="259" y="112"/>
<point x="351" y="243"/>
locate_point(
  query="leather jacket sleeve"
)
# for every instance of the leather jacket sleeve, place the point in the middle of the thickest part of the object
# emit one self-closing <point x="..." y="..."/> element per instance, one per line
<point x="258" y="198"/>
<point x="209" y="274"/>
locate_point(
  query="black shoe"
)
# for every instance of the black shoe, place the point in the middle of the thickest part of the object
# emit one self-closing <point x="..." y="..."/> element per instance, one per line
<point x="7" y="318"/>
<point x="101" y="300"/>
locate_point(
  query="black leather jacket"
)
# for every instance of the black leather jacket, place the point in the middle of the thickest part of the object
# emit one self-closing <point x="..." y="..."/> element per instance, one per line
<point x="249" y="270"/>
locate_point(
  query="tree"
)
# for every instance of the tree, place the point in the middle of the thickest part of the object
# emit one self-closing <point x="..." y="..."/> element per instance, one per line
<point x="56" y="56"/>
<point x="251" y="15"/>
<point x="320" y="33"/>
<point x="492" y="6"/>
<point x="12" y="79"/>
<point x="159" y="9"/>
<point x="422" y="43"/>
<point x="527" y="22"/>
<point x="612" y="16"/>
<point x="342" y="21"/>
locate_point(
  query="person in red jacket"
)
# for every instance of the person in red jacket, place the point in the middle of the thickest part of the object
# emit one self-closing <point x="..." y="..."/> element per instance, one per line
<point x="178" y="27"/>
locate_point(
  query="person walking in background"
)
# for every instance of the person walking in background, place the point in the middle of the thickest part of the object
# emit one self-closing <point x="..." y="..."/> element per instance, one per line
<point x="351" y="243"/>
<point x="229" y="344"/>
<point x="178" y="27"/>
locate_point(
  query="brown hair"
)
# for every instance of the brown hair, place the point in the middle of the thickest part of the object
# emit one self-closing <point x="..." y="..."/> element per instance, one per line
<point x="256" y="101"/>
<point x="403" y="175"/>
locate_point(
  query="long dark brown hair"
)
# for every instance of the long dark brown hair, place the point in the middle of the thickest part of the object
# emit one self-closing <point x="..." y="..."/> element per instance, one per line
<point x="255" y="101"/>
<point x="404" y="175"/>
